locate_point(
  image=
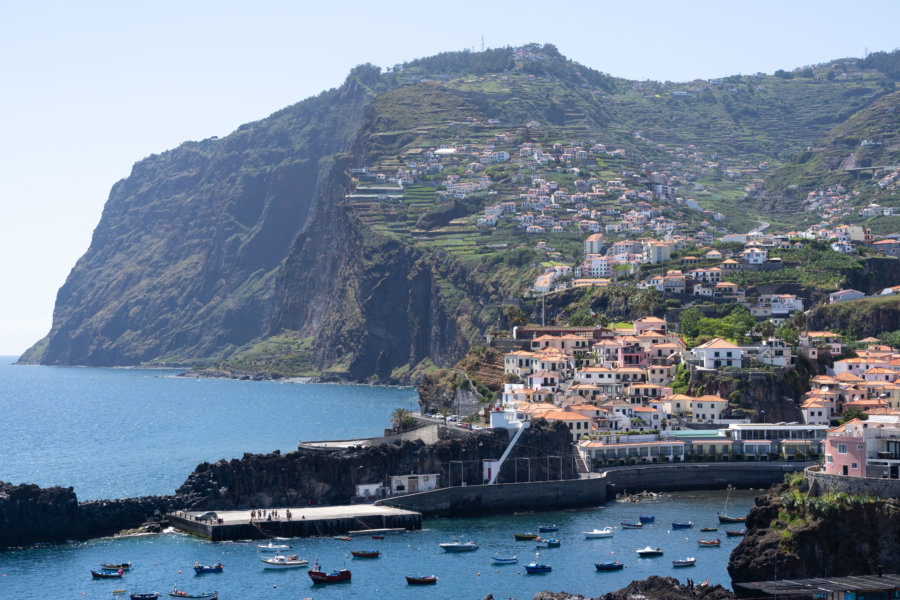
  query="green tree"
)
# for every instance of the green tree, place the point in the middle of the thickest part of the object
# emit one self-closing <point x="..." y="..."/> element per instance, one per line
<point x="689" y="322"/>
<point x="401" y="419"/>
<point x="854" y="412"/>
<point x="788" y="333"/>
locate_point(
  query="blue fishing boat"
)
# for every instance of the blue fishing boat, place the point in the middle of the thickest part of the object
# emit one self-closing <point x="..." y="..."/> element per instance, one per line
<point x="216" y="568"/>
<point x="647" y="519"/>
<point x="687" y="525"/>
<point x="609" y="566"/>
<point x="548" y="528"/>
<point x="532" y="568"/>
<point x="626" y="525"/>
<point x="107" y="574"/>
<point x="504" y="560"/>
<point x="548" y="543"/>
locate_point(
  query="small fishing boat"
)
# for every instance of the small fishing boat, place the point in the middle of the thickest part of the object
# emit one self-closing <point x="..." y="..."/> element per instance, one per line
<point x="548" y="543"/>
<point x="216" y="568"/>
<point x="684" y="562"/>
<point x="626" y="525"/>
<point x="648" y="552"/>
<point x="280" y="561"/>
<point x="421" y="580"/>
<point x="459" y="546"/>
<point x="319" y="576"/>
<point x="377" y="537"/>
<point x="532" y="568"/>
<point x="176" y="593"/>
<point x="709" y="529"/>
<point x="609" y="566"/>
<point x="343" y="538"/>
<point x="726" y="519"/>
<point x="504" y="560"/>
<point x="710" y="543"/>
<point x="270" y="547"/>
<point x="149" y="596"/>
<point x="731" y="533"/>
<point x="647" y="519"/>
<point x="548" y="528"/>
<point x="688" y="525"/>
<point x="116" y="567"/>
<point x="365" y="553"/>
<point x="525" y="537"/>
<point x="598" y="533"/>
<point x="107" y="574"/>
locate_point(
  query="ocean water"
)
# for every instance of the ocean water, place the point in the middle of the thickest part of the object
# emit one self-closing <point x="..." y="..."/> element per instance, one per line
<point x="116" y="433"/>
<point x="164" y="560"/>
<point x="125" y="432"/>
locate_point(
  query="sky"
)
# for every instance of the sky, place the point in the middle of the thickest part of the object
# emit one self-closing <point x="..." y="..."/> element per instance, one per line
<point x="89" y="88"/>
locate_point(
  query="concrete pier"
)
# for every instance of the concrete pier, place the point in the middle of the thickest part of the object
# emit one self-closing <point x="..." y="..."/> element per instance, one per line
<point x="305" y="521"/>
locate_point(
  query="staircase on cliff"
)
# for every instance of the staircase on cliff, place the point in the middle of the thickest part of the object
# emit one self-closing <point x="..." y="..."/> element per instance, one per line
<point x="525" y="425"/>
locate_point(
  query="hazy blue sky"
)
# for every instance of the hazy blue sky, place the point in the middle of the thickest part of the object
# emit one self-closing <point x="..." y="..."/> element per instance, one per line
<point x="89" y="88"/>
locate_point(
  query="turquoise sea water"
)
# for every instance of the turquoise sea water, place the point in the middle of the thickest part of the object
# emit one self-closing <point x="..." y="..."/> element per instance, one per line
<point x="113" y="433"/>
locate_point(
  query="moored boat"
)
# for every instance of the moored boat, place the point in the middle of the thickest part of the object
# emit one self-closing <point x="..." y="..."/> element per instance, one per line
<point x="532" y="568"/>
<point x="280" y="561"/>
<point x="647" y="519"/>
<point x="709" y="529"/>
<point x="684" y="562"/>
<point x="148" y="596"/>
<point x="504" y="560"/>
<point x="319" y="576"/>
<point x="270" y="547"/>
<point x="626" y="525"/>
<point x="710" y="543"/>
<point x="176" y="593"/>
<point x="677" y="525"/>
<point x="648" y="552"/>
<point x="723" y="518"/>
<point x="365" y="553"/>
<point x="598" y="533"/>
<point x="459" y="546"/>
<point x="216" y="568"/>
<point x="609" y="566"/>
<point x="421" y="580"/>
<point x="548" y="543"/>
<point x="548" y="528"/>
<point x="732" y="533"/>
<point x="107" y="574"/>
<point x="115" y="567"/>
<point x="525" y="537"/>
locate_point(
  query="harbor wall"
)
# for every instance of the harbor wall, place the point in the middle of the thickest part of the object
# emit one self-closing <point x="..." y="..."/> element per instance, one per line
<point x="295" y="528"/>
<point x="697" y="476"/>
<point x="823" y="483"/>
<point x="475" y="500"/>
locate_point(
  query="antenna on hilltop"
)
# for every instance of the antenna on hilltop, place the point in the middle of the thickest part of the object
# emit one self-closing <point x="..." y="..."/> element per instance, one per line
<point x="482" y="43"/>
<point x="866" y="52"/>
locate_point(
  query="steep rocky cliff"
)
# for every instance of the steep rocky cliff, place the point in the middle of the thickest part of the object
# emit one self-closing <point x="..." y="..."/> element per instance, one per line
<point x="792" y="536"/>
<point x="860" y="318"/>
<point x="750" y="393"/>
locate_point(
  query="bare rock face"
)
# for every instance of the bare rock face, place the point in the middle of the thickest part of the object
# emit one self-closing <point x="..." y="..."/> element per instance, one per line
<point x="652" y="588"/>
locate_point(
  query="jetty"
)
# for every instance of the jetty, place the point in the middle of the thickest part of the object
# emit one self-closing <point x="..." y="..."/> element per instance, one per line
<point x="305" y="521"/>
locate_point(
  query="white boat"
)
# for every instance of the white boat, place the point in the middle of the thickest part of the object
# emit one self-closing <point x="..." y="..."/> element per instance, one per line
<point x="598" y="533"/>
<point x="648" y="552"/>
<point x="280" y="561"/>
<point x="270" y="547"/>
<point x="459" y="546"/>
<point x="504" y="560"/>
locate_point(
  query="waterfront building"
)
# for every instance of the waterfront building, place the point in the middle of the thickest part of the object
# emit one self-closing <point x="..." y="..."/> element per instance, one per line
<point x="865" y="448"/>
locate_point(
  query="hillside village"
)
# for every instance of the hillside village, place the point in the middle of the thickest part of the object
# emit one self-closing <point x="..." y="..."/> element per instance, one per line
<point x="617" y="390"/>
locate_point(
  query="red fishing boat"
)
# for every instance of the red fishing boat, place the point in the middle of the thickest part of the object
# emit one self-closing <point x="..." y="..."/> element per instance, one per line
<point x="319" y="576"/>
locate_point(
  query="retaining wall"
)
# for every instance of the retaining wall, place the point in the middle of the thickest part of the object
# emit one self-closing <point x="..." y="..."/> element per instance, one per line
<point x="823" y="483"/>
<point x="698" y="476"/>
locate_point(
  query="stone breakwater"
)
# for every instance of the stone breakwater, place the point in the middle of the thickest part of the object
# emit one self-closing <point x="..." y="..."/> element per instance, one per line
<point x="30" y="514"/>
<point x="816" y="538"/>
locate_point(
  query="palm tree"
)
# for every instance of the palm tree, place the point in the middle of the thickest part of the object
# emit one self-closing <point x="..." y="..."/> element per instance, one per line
<point x="399" y="418"/>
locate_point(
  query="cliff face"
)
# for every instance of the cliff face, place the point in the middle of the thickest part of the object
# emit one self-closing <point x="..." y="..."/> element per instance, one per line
<point x="776" y="394"/>
<point x="825" y="538"/>
<point x="862" y="318"/>
<point x="184" y="261"/>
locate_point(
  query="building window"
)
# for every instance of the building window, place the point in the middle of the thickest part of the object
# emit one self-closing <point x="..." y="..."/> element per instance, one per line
<point x="854" y="465"/>
<point x="859" y="446"/>
<point x="842" y="448"/>
<point x="828" y="458"/>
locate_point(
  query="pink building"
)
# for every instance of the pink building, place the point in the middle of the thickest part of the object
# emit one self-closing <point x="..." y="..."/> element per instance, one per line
<point x="845" y="450"/>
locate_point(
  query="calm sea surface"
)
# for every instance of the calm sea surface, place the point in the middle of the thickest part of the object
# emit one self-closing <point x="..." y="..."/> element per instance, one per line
<point x="113" y="433"/>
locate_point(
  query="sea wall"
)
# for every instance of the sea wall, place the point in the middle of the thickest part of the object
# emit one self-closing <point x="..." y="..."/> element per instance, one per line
<point x="503" y="498"/>
<point x="821" y="483"/>
<point x="698" y="476"/>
